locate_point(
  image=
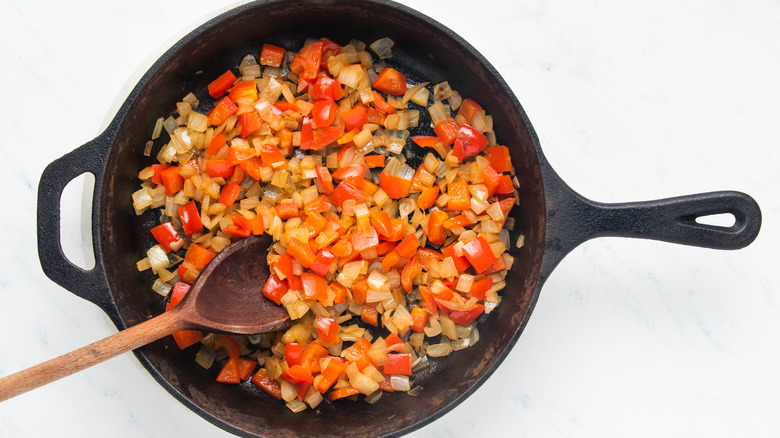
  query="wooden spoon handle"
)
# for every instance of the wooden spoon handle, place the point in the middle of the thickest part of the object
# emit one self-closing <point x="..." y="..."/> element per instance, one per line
<point x="77" y="360"/>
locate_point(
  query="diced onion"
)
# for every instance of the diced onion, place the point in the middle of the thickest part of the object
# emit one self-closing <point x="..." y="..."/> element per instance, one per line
<point x="296" y="406"/>
<point x="400" y="383"/>
<point x="439" y="350"/>
<point x="382" y="47"/>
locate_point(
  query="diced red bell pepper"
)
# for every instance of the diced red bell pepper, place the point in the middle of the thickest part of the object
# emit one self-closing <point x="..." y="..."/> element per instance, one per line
<point x="468" y="142"/>
<point x="345" y="191"/>
<point x="479" y="254"/>
<point x="369" y="314"/>
<point x="267" y="384"/>
<point x="354" y="174"/>
<point x="480" y="288"/>
<point x="298" y="374"/>
<point x="425" y="141"/>
<point x="419" y="319"/>
<point x="428" y="197"/>
<point x="391" y="259"/>
<point x="408" y="246"/>
<point x="314" y="223"/>
<point x="221" y="111"/>
<point x="499" y="158"/>
<point x="327" y="330"/>
<point x="220" y="85"/>
<point x="325" y="178"/>
<point x="428" y="257"/>
<point x="437" y="234"/>
<point x="167" y="236"/>
<point x="306" y="63"/>
<point x="460" y="199"/>
<point x="327" y="88"/>
<point x="241" y="226"/>
<point x="461" y="262"/>
<point x="229" y="194"/>
<point x="447" y="130"/>
<point x="325" y="136"/>
<point x="252" y="167"/>
<point x="374" y="161"/>
<point x="157" y="175"/>
<point x="491" y="179"/>
<point x="198" y="255"/>
<point x="172" y="181"/>
<point x="190" y="218"/>
<point x="324" y="112"/>
<point x="395" y="186"/>
<point x="466" y="317"/>
<point x="250" y="122"/>
<point x="244" y="90"/>
<point x="323" y="262"/>
<point x="340" y="291"/>
<point x="301" y="252"/>
<point x="219" y="169"/>
<point x="398" y="364"/>
<point x="365" y="240"/>
<point x="275" y="289"/>
<point x="216" y="145"/>
<point x="307" y="133"/>
<point x="230" y="372"/>
<point x="287" y="210"/>
<point x="468" y="109"/>
<point x="271" y="55"/>
<point x="331" y="373"/>
<point x="271" y="156"/>
<point x="310" y="359"/>
<point x="320" y="204"/>
<point x="381" y="222"/>
<point x="505" y="186"/>
<point x="355" y="118"/>
<point x="391" y="81"/>
<point x="360" y="289"/>
<point x="284" y="265"/>
<point x="410" y="271"/>
<point x="292" y="353"/>
<point x="314" y="286"/>
<point x="428" y="300"/>
<point x="347" y="391"/>
<point x="380" y="105"/>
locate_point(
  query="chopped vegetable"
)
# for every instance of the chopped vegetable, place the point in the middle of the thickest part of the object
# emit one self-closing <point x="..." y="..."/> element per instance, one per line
<point x="310" y="145"/>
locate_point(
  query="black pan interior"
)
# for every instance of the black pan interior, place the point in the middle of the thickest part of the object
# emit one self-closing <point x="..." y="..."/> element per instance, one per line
<point x="425" y="51"/>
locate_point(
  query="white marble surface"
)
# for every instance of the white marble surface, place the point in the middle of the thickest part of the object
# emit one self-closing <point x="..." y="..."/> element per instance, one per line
<point x="631" y="100"/>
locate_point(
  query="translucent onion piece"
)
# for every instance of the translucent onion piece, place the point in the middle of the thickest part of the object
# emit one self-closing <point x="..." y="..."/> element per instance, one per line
<point x="439" y="350"/>
<point x="382" y="47"/>
<point x="374" y="396"/>
<point x="414" y="392"/>
<point x="400" y="383"/>
<point x="205" y="357"/>
<point x="162" y="287"/>
<point x="296" y="406"/>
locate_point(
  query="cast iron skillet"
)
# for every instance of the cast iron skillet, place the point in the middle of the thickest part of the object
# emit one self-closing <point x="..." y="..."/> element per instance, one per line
<point x="553" y="217"/>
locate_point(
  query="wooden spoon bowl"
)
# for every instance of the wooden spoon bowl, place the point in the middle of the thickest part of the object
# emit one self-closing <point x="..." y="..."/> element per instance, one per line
<point x="226" y="298"/>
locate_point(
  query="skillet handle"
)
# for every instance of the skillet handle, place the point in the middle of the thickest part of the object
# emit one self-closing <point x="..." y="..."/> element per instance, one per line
<point x="674" y="220"/>
<point x="573" y="219"/>
<point x="88" y="284"/>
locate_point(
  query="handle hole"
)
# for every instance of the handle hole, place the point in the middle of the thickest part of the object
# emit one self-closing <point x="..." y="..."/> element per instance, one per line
<point x="76" y="221"/>
<point x="725" y="220"/>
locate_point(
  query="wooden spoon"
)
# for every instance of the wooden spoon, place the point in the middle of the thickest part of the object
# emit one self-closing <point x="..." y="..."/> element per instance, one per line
<point x="226" y="298"/>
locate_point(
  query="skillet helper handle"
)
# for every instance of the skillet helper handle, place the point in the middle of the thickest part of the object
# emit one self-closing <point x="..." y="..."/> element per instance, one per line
<point x="92" y="354"/>
<point x="674" y="220"/>
<point x="88" y="284"/>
